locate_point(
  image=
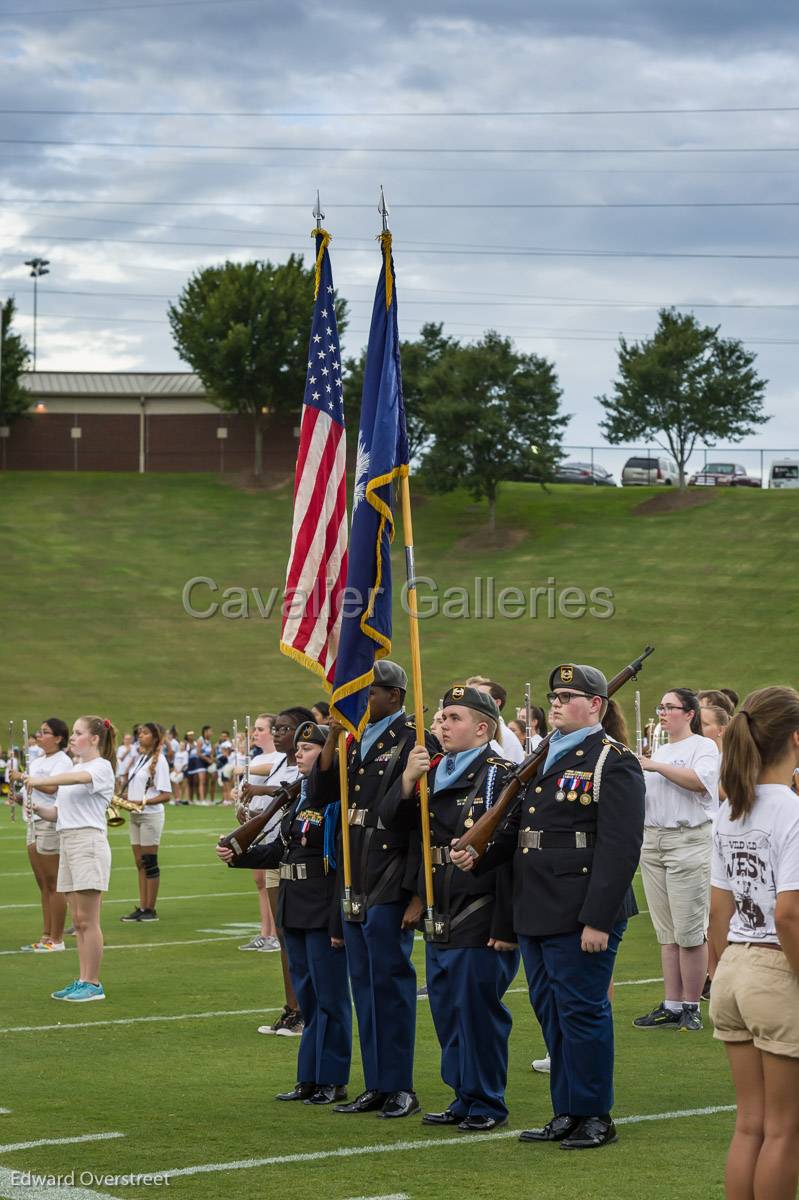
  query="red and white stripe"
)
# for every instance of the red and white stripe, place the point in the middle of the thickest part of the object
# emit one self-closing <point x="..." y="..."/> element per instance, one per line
<point x="317" y="567"/>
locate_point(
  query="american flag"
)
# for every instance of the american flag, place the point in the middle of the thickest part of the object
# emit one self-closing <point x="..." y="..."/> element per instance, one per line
<point x="317" y="567"/>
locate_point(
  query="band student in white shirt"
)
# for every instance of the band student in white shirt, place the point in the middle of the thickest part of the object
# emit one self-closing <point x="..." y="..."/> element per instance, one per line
<point x="259" y="768"/>
<point x="147" y="782"/>
<point x="43" y="841"/>
<point x="754" y="924"/>
<point x="83" y="796"/>
<point x="682" y="780"/>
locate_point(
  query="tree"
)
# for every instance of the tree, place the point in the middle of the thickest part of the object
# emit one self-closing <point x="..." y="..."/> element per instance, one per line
<point x="494" y="415"/>
<point x="684" y="384"/>
<point x="418" y="359"/>
<point x="14" y="358"/>
<point x="243" y="327"/>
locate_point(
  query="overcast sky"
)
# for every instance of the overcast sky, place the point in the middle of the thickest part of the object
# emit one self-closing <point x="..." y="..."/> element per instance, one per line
<point x="124" y="221"/>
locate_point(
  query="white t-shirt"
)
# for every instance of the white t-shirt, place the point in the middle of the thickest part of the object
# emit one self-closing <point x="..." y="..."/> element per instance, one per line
<point x="282" y="772"/>
<point x="181" y="760"/>
<point x="41" y="767"/>
<point x="34" y="752"/>
<point x="756" y="858"/>
<point x="508" y="745"/>
<point x="125" y="756"/>
<point x="138" y="775"/>
<point x="83" y="805"/>
<point x="669" y="806"/>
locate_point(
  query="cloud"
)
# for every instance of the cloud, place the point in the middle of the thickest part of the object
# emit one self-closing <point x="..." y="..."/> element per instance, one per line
<point x="465" y="266"/>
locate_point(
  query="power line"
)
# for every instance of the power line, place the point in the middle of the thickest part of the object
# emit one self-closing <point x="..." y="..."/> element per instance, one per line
<point x="408" y="149"/>
<point x="476" y="114"/>
<point x="535" y="205"/>
<point x="441" y="249"/>
<point x="485" y="301"/>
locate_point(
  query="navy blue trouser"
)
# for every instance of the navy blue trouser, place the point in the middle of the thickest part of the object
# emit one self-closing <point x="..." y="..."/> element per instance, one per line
<point x="319" y="975"/>
<point x="384" y="992"/>
<point x="569" y="995"/>
<point x="465" y="988"/>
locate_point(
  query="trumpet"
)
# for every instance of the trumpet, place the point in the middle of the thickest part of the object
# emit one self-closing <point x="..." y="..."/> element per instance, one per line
<point x="653" y="736"/>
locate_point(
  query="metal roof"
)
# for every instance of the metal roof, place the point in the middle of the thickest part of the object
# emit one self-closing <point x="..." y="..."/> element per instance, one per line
<point x="124" y="384"/>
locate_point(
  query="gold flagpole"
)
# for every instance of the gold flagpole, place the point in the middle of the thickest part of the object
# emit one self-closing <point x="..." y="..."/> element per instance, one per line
<point x="418" y="701"/>
<point x="345" y="820"/>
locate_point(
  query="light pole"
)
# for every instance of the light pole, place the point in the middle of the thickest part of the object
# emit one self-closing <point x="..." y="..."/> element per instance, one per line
<point x="38" y="267"/>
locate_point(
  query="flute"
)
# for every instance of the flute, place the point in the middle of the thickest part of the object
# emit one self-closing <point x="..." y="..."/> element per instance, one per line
<point x="528" y="721"/>
<point x="28" y="798"/>
<point x="13" y="788"/>
<point x="247" y="750"/>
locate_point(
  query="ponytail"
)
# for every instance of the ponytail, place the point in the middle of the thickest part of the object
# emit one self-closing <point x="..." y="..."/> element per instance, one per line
<point x="755" y="738"/>
<point x="106" y="734"/>
<point x="158" y="744"/>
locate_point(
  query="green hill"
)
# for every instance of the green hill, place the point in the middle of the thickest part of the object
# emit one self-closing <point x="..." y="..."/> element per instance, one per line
<point x="95" y="568"/>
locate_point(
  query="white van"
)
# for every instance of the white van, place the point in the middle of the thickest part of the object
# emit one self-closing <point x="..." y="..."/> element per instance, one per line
<point x="784" y="473"/>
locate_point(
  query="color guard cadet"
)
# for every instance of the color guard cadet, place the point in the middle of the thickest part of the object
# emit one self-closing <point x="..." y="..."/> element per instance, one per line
<point x="307" y="915"/>
<point x="472" y="955"/>
<point x="378" y="932"/>
<point x="576" y="839"/>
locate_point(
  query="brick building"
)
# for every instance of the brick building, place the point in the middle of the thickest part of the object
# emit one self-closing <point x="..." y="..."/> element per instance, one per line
<point x="135" y="421"/>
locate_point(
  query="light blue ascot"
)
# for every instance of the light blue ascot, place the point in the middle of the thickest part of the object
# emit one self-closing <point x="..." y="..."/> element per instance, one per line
<point x="373" y="731"/>
<point x="561" y="743"/>
<point x="453" y="766"/>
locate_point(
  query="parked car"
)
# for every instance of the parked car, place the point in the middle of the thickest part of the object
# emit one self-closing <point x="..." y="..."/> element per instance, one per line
<point x="724" y="474"/>
<point x="784" y="473"/>
<point x="579" y="472"/>
<point x="649" y="470"/>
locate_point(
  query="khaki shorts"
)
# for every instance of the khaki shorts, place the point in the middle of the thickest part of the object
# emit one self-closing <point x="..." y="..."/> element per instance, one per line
<point x="146" y="828"/>
<point x="43" y="835"/>
<point x="755" y="998"/>
<point x="271" y="876"/>
<point x="675" y="868"/>
<point x="85" y="862"/>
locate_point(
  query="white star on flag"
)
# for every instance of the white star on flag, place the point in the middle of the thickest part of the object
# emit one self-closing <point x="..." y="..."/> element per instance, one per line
<point x="325" y="371"/>
<point x="316" y="337"/>
<point x="315" y="396"/>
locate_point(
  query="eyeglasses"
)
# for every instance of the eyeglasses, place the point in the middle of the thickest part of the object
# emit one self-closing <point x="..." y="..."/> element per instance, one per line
<point x="282" y="728"/>
<point x="666" y="708"/>
<point x="565" y="697"/>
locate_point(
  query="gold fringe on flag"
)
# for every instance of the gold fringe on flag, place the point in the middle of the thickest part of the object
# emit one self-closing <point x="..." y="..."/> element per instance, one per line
<point x="385" y="241"/>
<point x="325" y="236"/>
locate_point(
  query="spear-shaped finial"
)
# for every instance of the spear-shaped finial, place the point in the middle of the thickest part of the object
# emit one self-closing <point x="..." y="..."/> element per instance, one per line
<point x="383" y="209"/>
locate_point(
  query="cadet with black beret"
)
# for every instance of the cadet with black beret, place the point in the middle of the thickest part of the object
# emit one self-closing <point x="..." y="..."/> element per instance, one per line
<point x="471" y="955"/>
<point x="307" y="915"/>
<point x="575" y="836"/>
<point x="378" y="930"/>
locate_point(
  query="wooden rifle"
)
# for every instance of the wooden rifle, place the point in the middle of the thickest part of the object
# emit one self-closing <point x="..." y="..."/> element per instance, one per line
<point x="240" y="840"/>
<point x="477" y="838"/>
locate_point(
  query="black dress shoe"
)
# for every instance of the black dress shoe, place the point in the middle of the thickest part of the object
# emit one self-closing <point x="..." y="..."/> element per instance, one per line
<point x="400" y="1104"/>
<point x="448" y="1117"/>
<point x="300" y="1091"/>
<point x="591" y="1133"/>
<point x="327" y="1093"/>
<point x="366" y="1102"/>
<point x="481" y="1124"/>
<point x="554" y="1131"/>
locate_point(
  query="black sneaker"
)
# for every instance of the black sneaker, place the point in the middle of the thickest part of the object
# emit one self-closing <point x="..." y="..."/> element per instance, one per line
<point x="148" y="914"/>
<point x="657" y="1018"/>
<point x="690" y="1019"/>
<point x="136" y="915"/>
<point x="292" y="1026"/>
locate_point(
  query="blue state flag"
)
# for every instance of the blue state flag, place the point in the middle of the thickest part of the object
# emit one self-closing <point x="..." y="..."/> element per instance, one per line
<point x="382" y="461"/>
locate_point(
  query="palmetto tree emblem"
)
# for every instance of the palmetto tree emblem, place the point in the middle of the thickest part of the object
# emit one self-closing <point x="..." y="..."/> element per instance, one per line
<point x="361" y="474"/>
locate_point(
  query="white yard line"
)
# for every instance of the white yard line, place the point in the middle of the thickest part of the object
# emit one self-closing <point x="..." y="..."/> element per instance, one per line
<point x="199" y="1016"/>
<point x="431" y="1143"/>
<point x="62" y="1141"/>
<point x="231" y="1012"/>
<point x="162" y="899"/>
<point x="128" y="867"/>
<point x="393" y="1196"/>
<point x="4" y="1111"/>
<point x="228" y="937"/>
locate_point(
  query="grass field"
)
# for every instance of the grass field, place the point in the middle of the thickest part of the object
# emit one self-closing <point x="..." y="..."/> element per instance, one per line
<point x="197" y="1091"/>
<point x="95" y="567"/>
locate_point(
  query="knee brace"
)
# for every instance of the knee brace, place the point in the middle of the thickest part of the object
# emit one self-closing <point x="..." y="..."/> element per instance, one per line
<point x="150" y="866"/>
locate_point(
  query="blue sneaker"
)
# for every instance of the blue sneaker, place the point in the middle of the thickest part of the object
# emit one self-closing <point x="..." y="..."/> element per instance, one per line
<point x="82" y="992"/>
<point x="62" y="992"/>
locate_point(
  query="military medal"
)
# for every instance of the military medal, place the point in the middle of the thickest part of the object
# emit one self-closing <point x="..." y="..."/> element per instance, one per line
<point x="468" y="822"/>
<point x="560" y="794"/>
<point x="572" y="795"/>
<point x="585" y="799"/>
